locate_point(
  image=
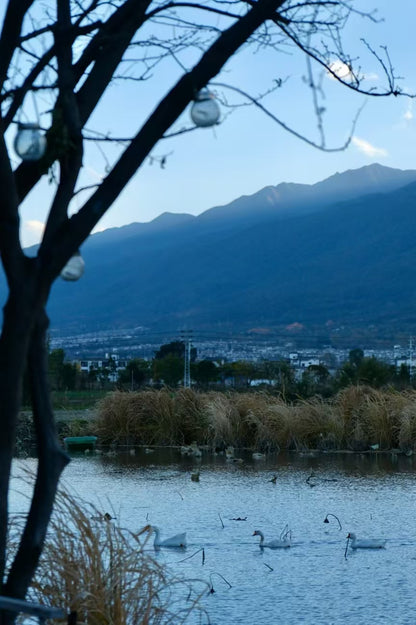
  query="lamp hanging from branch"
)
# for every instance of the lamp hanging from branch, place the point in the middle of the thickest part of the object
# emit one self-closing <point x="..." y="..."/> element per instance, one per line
<point x="205" y="111"/>
<point x="74" y="268"/>
<point x="30" y="142"/>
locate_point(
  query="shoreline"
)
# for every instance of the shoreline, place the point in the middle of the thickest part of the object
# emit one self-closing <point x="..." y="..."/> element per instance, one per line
<point x="79" y="423"/>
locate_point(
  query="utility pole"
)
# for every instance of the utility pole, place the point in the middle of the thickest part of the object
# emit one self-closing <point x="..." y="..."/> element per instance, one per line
<point x="187" y="339"/>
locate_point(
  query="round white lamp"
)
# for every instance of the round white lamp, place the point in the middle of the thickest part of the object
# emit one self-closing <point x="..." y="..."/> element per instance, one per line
<point x="205" y="111"/>
<point x="29" y="143"/>
<point x="74" y="268"/>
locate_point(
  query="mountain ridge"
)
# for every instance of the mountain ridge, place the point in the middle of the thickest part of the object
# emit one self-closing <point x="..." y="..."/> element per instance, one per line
<point x="303" y="262"/>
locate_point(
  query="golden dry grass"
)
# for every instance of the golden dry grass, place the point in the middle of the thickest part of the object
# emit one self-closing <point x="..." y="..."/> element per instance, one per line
<point x="316" y="424"/>
<point x="220" y="415"/>
<point x="375" y="417"/>
<point x="105" y="573"/>
<point x="357" y="418"/>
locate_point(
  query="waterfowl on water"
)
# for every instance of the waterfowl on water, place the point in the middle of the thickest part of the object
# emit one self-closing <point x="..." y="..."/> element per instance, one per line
<point x="229" y="452"/>
<point x="195" y="451"/>
<point x="235" y="460"/>
<point x="277" y="543"/>
<point x="230" y="457"/>
<point x="195" y="476"/>
<point x="191" y="450"/>
<point x="178" y="540"/>
<point x="186" y="450"/>
<point x="258" y="456"/>
<point x="366" y="543"/>
<point x="103" y="517"/>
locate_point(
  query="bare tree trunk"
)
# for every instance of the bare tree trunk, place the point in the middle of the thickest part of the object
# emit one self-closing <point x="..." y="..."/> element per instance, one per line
<point x="23" y="343"/>
<point x="51" y="462"/>
<point x="14" y="343"/>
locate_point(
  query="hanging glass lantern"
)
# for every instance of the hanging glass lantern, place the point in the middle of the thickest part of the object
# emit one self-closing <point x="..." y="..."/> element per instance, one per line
<point x="205" y="111"/>
<point x="29" y="143"/>
<point x="74" y="268"/>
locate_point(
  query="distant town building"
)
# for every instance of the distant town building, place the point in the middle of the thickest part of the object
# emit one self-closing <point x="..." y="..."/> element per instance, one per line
<point x="110" y="363"/>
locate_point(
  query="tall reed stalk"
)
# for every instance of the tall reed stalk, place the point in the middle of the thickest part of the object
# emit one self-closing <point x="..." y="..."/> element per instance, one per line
<point x="358" y="418"/>
<point x="105" y="573"/>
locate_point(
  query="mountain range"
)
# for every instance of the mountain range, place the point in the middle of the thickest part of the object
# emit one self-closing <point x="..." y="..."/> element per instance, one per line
<point x="340" y="252"/>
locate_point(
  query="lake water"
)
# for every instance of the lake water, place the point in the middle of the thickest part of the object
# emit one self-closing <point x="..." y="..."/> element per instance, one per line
<point x="312" y="582"/>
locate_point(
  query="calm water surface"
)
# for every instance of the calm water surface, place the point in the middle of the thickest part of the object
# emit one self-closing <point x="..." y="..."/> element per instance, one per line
<point x="312" y="582"/>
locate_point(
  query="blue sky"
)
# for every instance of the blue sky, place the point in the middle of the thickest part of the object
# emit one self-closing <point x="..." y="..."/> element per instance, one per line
<point x="248" y="151"/>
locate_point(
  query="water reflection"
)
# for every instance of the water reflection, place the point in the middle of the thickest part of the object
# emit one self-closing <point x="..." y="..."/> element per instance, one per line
<point x="324" y="464"/>
<point x="311" y="582"/>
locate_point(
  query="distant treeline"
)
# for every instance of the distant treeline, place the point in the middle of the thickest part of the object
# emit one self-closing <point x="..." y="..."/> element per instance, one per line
<point x="167" y="369"/>
<point x="357" y="418"/>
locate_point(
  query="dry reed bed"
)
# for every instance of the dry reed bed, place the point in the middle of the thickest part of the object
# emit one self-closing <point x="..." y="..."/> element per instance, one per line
<point x="357" y="418"/>
<point x="104" y="573"/>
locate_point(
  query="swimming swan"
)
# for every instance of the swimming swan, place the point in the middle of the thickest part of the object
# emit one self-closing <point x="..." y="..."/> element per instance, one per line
<point x="366" y="543"/>
<point x="179" y="540"/>
<point x="277" y="543"/>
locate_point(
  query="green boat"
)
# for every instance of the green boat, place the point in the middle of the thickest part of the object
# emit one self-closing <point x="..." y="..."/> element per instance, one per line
<point x="80" y="443"/>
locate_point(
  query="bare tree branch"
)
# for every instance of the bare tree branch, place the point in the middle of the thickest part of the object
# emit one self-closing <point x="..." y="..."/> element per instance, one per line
<point x="81" y="224"/>
<point x="10" y="248"/>
<point x="319" y="146"/>
<point x="71" y="150"/>
<point x="10" y="35"/>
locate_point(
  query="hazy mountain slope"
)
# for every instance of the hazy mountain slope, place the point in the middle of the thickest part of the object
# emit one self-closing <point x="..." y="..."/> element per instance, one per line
<point x="352" y="261"/>
<point x="288" y="199"/>
<point x="165" y="222"/>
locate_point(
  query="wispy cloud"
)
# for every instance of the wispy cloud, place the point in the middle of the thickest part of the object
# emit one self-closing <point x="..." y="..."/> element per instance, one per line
<point x="408" y="114"/>
<point x="366" y="148"/>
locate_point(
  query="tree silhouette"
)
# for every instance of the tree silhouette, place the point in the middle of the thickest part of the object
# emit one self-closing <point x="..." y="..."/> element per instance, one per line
<point x="63" y="56"/>
<point x="175" y="348"/>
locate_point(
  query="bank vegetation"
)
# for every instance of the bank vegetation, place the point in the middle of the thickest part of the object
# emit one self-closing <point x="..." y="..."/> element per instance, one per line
<point x="357" y="418"/>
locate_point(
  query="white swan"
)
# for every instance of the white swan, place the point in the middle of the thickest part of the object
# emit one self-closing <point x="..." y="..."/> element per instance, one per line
<point x="277" y="543"/>
<point x="179" y="540"/>
<point x="366" y="543"/>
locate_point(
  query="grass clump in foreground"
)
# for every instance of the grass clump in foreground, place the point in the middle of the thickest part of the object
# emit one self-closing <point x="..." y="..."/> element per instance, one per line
<point x="103" y="572"/>
<point x="358" y="418"/>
